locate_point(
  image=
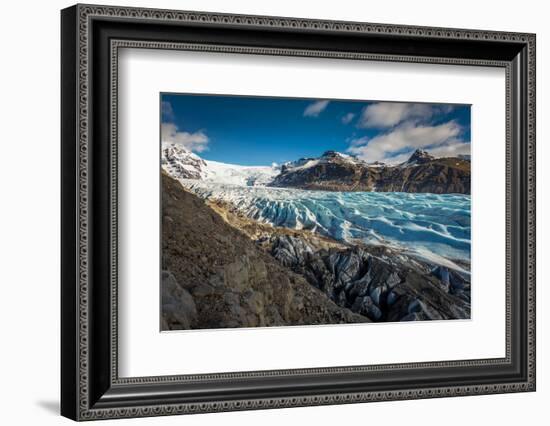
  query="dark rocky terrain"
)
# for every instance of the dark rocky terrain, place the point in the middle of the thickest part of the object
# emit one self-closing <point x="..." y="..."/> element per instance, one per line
<point x="216" y="276"/>
<point x="378" y="282"/>
<point x="336" y="172"/>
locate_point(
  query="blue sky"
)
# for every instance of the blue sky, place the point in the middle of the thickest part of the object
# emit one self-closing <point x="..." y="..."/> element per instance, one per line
<point x="261" y="130"/>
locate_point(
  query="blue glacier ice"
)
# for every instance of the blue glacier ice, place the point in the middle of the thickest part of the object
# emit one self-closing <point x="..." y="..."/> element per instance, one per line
<point x="435" y="227"/>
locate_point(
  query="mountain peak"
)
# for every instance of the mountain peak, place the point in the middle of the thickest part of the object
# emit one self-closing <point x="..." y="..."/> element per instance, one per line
<point x="335" y="155"/>
<point x="420" y="156"/>
<point x="331" y="154"/>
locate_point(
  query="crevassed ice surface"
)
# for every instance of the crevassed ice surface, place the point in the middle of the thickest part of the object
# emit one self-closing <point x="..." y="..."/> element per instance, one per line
<point x="435" y="227"/>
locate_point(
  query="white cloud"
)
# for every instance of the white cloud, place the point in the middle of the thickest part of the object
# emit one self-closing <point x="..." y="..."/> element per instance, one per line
<point x="196" y="142"/>
<point x="452" y="149"/>
<point x="346" y="119"/>
<point x="315" y="108"/>
<point x="358" y="141"/>
<point x="397" y="144"/>
<point x="398" y="158"/>
<point x="390" y="114"/>
<point x="166" y="110"/>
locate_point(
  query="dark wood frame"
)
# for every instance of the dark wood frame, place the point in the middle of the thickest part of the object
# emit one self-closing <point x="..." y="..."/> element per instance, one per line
<point x="91" y="37"/>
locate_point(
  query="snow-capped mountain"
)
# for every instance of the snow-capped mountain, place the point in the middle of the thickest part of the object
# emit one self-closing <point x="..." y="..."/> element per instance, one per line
<point x="334" y="171"/>
<point x="418" y="157"/>
<point x="327" y="157"/>
<point x="181" y="163"/>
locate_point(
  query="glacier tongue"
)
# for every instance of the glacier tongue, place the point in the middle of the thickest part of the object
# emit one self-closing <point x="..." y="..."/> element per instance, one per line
<point x="239" y="175"/>
<point x="430" y="225"/>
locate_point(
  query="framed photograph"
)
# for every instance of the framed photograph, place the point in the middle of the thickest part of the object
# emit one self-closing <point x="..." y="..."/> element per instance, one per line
<point x="263" y="212"/>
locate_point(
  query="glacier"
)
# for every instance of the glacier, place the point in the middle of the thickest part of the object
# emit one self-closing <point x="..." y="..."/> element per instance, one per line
<point x="433" y="227"/>
<point x="239" y="175"/>
<point x="181" y="163"/>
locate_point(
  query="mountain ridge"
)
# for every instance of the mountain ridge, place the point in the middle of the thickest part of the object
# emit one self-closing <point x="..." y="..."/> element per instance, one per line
<point x="332" y="171"/>
<point x="422" y="172"/>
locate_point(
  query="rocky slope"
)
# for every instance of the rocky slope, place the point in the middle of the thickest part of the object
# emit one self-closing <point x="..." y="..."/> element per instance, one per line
<point x="378" y="282"/>
<point x="215" y="276"/>
<point x="336" y="172"/>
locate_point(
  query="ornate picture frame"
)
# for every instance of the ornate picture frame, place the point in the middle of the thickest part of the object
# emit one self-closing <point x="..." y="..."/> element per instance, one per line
<point x="91" y="37"/>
